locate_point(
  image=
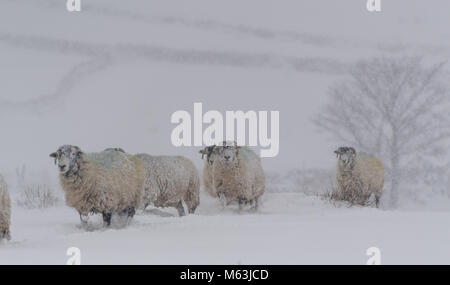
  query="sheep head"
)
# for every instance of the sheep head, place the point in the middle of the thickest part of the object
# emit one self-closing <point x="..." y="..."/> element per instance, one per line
<point x="228" y="152"/>
<point x="210" y="152"/>
<point x="346" y="155"/>
<point x="67" y="157"/>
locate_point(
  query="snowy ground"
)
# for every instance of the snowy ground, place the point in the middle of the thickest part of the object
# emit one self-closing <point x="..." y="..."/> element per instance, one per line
<point x="290" y="228"/>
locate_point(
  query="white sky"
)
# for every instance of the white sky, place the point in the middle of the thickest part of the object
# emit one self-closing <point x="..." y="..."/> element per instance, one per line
<point x="114" y="73"/>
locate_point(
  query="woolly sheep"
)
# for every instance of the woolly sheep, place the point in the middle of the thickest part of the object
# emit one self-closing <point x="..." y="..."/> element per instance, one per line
<point x="358" y="176"/>
<point x="170" y="181"/>
<point x="211" y="155"/>
<point x="106" y="182"/>
<point x="238" y="175"/>
<point x="5" y="210"/>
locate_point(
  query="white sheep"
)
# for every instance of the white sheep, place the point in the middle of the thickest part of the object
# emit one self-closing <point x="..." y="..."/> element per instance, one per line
<point x="358" y="176"/>
<point x="238" y="175"/>
<point x="5" y="210"/>
<point x="170" y="181"/>
<point x="211" y="155"/>
<point x="106" y="182"/>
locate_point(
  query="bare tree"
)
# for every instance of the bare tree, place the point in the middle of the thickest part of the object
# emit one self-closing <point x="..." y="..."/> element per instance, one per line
<point x="396" y="108"/>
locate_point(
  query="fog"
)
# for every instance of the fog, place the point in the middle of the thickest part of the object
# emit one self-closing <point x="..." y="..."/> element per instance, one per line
<point x="112" y="74"/>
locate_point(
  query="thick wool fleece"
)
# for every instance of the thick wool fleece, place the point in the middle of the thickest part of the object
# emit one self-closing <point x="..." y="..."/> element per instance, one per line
<point x="107" y="182"/>
<point x="242" y="178"/>
<point x="5" y="210"/>
<point x="362" y="178"/>
<point x="171" y="180"/>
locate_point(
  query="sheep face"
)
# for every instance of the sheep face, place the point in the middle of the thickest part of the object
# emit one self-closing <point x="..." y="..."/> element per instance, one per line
<point x="346" y="156"/>
<point x="67" y="157"/>
<point x="227" y="153"/>
<point x="211" y="154"/>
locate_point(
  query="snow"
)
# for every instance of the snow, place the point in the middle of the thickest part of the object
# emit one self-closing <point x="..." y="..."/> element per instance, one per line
<point x="290" y="228"/>
<point x="113" y="74"/>
<point x="148" y="59"/>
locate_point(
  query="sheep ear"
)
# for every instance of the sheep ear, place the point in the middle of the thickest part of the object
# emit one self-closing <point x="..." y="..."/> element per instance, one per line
<point x="54" y="155"/>
<point x="202" y="151"/>
<point x="78" y="152"/>
<point x="353" y="150"/>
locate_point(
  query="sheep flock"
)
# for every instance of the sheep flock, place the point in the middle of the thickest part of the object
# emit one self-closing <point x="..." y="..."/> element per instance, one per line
<point x="115" y="183"/>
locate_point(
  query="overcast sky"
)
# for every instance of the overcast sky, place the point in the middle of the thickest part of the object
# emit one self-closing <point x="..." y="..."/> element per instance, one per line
<point x="112" y="74"/>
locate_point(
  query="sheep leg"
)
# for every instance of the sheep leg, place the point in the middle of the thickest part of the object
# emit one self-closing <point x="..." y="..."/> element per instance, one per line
<point x="254" y="204"/>
<point x="84" y="218"/>
<point x="191" y="198"/>
<point x="222" y="199"/>
<point x="192" y="209"/>
<point x="377" y="200"/>
<point x="107" y="219"/>
<point x="180" y="209"/>
<point x="131" y="211"/>
<point x="242" y="202"/>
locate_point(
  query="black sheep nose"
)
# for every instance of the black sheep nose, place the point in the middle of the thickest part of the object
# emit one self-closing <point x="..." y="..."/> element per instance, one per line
<point x="227" y="157"/>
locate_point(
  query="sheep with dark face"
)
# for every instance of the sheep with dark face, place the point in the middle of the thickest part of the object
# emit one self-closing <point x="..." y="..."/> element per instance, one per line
<point x="238" y="175"/>
<point x="108" y="182"/>
<point x="358" y="176"/>
<point x="170" y="181"/>
<point x="211" y="155"/>
<point x="5" y="210"/>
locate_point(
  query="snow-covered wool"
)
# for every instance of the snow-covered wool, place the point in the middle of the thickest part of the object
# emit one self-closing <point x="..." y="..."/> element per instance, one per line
<point x="106" y="182"/>
<point x="5" y="210"/>
<point x="211" y="155"/>
<point x="170" y="181"/>
<point x="238" y="175"/>
<point x="358" y="176"/>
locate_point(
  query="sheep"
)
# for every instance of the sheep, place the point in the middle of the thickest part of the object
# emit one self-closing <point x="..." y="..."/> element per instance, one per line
<point x="358" y="176"/>
<point x="170" y="181"/>
<point x="5" y="211"/>
<point x="238" y="176"/>
<point x="211" y="155"/>
<point x="107" y="182"/>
